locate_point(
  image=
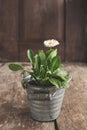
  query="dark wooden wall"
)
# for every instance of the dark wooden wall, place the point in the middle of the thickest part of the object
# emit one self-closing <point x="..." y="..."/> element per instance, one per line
<point x="27" y="23"/>
<point x="40" y="20"/>
<point x="76" y="30"/>
<point x="8" y="30"/>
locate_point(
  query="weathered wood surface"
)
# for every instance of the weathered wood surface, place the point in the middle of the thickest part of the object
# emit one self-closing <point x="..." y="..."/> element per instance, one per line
<point x="8" y="30"/>
<point x="27" y="23"/>
<point x="74" y="110"/>
<point x="14" y="110"/>
<point x="41" y="20"/>
<point x="76" y="33"/>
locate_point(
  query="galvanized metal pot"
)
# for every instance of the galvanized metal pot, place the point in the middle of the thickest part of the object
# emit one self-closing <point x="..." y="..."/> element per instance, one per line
<point x="44" y="102"/>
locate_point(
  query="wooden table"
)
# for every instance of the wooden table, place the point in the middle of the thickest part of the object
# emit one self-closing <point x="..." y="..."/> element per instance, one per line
<point x="14" y="110"/>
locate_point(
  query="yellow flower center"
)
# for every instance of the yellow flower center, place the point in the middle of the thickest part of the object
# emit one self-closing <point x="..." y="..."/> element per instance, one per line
<point x="50" y="43"/>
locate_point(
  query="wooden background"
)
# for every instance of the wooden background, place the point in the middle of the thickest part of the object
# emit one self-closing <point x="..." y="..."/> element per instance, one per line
<point x="27" y="23"/>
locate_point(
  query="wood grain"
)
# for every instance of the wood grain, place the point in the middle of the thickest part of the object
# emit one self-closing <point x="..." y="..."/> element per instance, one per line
<point x="76" y="42"/>
<point x="8" y="51"/>
<point x="14" y="109"/>
<point x="27" y="23"/>
<point x="42" y="20"/>
<point x="73" y="115"/>
<point x="8" y="20"/>
<point x="8" y="30"/>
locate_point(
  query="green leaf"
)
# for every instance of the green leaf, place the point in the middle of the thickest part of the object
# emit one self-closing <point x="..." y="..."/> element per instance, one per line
<point x="62" y="74"/>
<point x="42" y="71"/>
<point x="15" y="67"/>
<point x="55" y="82"/>
<point x="52" y="54"/>
<point x="42" y="56"/>
<point x="48" y="52"/>
<point x="49" y="65"/>
<point x="55" y="63"/>
<point x="24" y="83"/>
<point x="37" y="63"/>
<point x="30" y="55"/>
<point x="65" y="84"/>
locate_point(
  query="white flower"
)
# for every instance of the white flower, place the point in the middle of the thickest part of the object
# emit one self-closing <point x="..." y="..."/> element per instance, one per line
<point x="51" y="43"/>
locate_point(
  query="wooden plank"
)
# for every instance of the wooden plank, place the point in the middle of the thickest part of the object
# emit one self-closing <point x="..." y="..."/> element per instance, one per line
<point x="8" y="30"/>
<point x="73" y="115"/>
<point x="42" y="19"/>
<point x="8" y="20"/>
<point x="8" y="51"/>
<point x="76" y="24"/>
<point x="38" y="21"/>
<point x="14" y="109"/>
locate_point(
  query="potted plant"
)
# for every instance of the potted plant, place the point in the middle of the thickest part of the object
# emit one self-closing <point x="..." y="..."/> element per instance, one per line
<point x="45" y="82"/>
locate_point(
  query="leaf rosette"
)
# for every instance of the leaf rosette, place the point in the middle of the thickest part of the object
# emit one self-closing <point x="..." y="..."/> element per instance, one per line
<point x="46" y="68"/>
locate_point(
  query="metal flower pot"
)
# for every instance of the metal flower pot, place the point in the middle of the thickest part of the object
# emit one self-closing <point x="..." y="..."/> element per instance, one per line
<point x="45" y="102"/>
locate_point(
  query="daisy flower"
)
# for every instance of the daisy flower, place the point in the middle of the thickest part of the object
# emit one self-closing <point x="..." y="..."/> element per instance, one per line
<point x="51" y="43"/>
